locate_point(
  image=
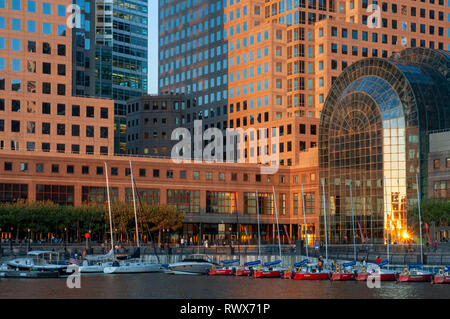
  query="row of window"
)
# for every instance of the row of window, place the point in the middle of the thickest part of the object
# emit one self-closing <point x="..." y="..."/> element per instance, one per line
<point x="46" y="147"/>
<point x="60" y="109"/>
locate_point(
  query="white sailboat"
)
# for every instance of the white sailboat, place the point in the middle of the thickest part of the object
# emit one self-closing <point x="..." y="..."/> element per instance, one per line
<point x="97" y="264"/>
<point x="134" y="266"/>
<point x="271" y="269"/>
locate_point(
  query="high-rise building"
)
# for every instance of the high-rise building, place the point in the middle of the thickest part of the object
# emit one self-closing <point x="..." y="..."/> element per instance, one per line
<point x="37" y="109"/>
<point x="111" y="55"/>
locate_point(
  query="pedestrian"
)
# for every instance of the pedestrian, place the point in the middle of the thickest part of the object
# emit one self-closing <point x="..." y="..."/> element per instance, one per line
<point x="435" y="245"/>
<point x="364" y="263"/>
<point x="320" y="264"/>
<point x="378" y="260"/>
<point x="181" y="242"/>
<point x="191" y="242"/>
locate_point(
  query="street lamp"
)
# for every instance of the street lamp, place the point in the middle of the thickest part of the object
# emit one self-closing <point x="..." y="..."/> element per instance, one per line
<point x="28" y="245"/>
<point x="65" y="239"/>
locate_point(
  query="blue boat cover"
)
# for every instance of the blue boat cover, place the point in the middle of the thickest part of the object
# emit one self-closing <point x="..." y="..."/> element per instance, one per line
<point x="415" y="265"/>
<point x="352" y="263"/>
<point x="381" y="264"/>
<point x="253" y="263"/>
<point x="229" y="261"/>
<point x="272" y="263"/>
<point x="165" y="266"/>
<point x="447" y="268"/>
<point x="301" y="263"/>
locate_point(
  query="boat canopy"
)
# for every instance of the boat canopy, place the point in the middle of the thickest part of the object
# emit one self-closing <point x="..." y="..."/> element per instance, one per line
<point x="301" y="263"/>
<point x="253" y="263"/>
<point x="272" y="263"/>
<point x="381" y="264"/>
<point x="108" y="256"/>
<point x="447" y="268"/>
<point x="415" y="265"/>
<point x="352" y="263"/>
<point x="232" y="261"/>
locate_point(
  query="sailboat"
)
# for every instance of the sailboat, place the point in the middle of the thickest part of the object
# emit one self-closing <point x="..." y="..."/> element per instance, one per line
<point x="127" y="267"/>
<point x="97" y="264"/>
<point x="247" y="268"/>
<point x="376" y="270"/>
<point x="269" y="269"/>
<point x="443" y="276"/>
<point x="228" y="267"/>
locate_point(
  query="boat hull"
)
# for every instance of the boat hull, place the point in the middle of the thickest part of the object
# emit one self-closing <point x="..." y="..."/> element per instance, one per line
<point x="242" y="272"/>
<point x="287" y="275"/>
<point x="132" y="269"/>
<point x="414" y="278"/>
<point x="441" y="279"/>
<point x="382" y="277"/>
<point x="342" y="277"/>
<point x="267" y="274"/>
<point x="91" y="269"/>
<point x="190" y="268"/>
<point x="220" y="272"/>
<point x="312" y="276"/>
<point x="31" y="274"/>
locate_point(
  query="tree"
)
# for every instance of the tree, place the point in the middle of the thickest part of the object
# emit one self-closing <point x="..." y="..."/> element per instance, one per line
<point x="433" y="211"/>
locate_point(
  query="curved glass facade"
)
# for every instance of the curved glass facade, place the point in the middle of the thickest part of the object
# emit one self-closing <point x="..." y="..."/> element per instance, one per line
<point x="373" y="141"/>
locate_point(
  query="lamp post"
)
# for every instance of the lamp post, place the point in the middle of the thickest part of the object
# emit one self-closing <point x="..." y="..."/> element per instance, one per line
<point x="65" y="239"/>
<point x="28" y="244"/>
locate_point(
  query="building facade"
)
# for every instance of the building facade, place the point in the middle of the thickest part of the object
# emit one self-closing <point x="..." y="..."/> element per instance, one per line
<point x="151" y="121"/>
<point x="37" y="109"/>
<point x="374" y="142"/>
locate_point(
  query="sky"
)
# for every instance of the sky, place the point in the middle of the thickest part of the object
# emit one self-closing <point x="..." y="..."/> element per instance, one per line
<point x="153" y="46"/>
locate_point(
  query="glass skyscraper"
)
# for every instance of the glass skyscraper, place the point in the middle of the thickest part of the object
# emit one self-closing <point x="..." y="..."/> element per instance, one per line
<point x="111" y="55"/>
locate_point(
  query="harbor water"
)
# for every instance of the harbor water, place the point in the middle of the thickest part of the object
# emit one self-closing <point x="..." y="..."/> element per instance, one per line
<point x="168" y="286"/>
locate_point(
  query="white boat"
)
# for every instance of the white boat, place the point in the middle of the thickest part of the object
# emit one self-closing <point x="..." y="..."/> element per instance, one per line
<point x="131" y="267"/>
<point x="40" y="261"/>
<point x="195" y="264"/>
<point x="94" y="267"/>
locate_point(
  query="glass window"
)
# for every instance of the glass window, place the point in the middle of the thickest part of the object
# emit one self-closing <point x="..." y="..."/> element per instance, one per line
<point x="15" y="24"/>
<point x="61" y="10"/>
<point x="46" y="8"/>
<point x="15" y="4"/>
<point x="31" y="26"/>
<point x="31" y="6"/>
<point x="46" y="28"/>
<point x="15" y="65"/>
<point x="61" y="30"/>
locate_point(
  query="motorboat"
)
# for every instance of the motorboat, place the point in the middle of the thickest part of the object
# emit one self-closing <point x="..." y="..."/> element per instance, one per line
<point x="268" y="270"/>
<point x="346" y="273"/>
<point x="40" y="261"/>
<point x="376" y="271"/>
<point x="247" y="268"/>
<point x="131" y="267"/>
<point x="310" y="272"/>
<point x="228" y="267"/>
<point x="413" y="274"/>
<point x="443" y="276"/>
<point x="195" y="264"/>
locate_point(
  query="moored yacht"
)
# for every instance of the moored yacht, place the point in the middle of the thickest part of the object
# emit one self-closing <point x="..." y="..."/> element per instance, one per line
<point x="195" y="264"/>
<point x="40" y="261"/>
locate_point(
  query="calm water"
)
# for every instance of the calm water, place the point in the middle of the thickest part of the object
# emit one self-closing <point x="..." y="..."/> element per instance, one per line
<point x="159" y="285"/>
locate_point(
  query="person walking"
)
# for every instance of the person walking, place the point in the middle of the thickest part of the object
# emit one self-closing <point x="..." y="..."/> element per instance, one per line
<point x="378" y="260"/>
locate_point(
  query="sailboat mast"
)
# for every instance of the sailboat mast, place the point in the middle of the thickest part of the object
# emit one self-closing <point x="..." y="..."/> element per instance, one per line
<point x="387" y="218"/>
<point x="276" y="214"/>
<point x="420" y="219"/>
<point x="304" y="221"/>
<point x="109" y="207"/>
<point x="353" y="222"/>
<point x="259" y="234"/>
<point x="134" y="204"/>
<point x="325" y="218"/>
